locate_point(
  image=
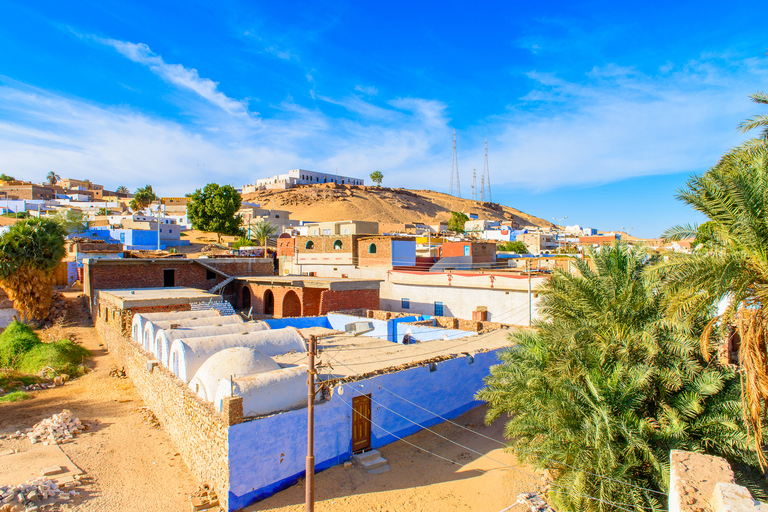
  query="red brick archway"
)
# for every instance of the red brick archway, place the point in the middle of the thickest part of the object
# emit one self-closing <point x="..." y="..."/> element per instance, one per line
<point x="291" y="304"/>
<point x="269" y="302"/>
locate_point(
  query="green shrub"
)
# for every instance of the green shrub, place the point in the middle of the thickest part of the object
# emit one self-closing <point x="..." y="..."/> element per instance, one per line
<point x="14" y="397"/>
<point x="243" y="242"/>
<point x="17" y="339"/>
<point x="63" y="356"/>
<point x="11" y="379"/>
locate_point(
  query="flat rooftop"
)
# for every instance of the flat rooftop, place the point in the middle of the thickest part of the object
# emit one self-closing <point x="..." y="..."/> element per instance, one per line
<point x="329" y="283"/>
<point x="128" y="298"/>
<point x="347" y="358"/>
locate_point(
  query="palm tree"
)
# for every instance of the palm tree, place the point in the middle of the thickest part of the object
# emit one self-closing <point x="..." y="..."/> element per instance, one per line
<point x="261" y="230"/>
<point x="758" y="121"/>
<point x="53" y="178"/>
<point x="122" y="189"/>
<point x="607" y="385"/>
<point x="29" y="252"/>
<point x="732" y="270"/>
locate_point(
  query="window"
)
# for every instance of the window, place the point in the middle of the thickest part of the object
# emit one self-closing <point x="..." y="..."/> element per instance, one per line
<point x="317" y="232"/>
<point x="466" y="250"/>
<point x="310" y="245"/>
<point x="372" y="249"/>
<point x="337" y="245"/>
<point x="346" y="231"/>
<point x="210" y="274"/>
<point x="405" y="303"/>
<point x="438" y="309"/>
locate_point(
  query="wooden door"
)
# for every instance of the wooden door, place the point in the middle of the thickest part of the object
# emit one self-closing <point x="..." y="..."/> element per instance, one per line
<point x="361" y="423"/>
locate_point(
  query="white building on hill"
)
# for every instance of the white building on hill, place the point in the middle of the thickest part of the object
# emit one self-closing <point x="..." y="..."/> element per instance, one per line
<point x="300" y="177"/>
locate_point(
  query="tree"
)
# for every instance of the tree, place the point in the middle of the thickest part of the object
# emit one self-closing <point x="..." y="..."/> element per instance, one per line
<point x="122" y="189"/>
<point x="261" y="231"/>
<point x="377" y="177"/>
<point x="733" y="267"/>
<point x="143" y="198"/>
<point x="29" y="252"/>
<point x="213" y="209"/>
<point x="5" y="177"/>
<point x="73" y="221"/>
<point x="53" y="178"/>
<point x="87" y="184"/>
<point x="456" y="222"/>
<point x="102" y="211"/>
<point x="607" y="385"/>
<point x="517" y="247"/>
<point x="758" y="121"/>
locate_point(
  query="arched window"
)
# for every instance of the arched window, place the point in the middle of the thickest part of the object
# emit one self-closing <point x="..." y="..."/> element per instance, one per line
<point x="372" y="249"/>
<point x="316" y="232"/>
<point x="310" y="245"/>
<point x="337" y="245"/>
<point x="346" y="231"/>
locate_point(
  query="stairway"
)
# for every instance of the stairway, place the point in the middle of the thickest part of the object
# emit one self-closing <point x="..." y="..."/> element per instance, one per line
<point x="372" y="461"/>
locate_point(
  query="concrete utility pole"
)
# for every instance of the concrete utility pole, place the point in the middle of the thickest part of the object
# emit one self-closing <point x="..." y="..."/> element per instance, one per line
<point x="309" y="497"/>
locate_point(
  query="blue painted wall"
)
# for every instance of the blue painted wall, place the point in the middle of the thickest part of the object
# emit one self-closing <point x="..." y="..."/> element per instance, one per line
<point x="403" y="253"/>
<point x="268" y="454"/>
<point x="303" y="322"/>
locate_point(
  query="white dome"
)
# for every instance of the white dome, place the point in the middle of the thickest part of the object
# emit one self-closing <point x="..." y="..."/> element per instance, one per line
<point x="235" y="361"/>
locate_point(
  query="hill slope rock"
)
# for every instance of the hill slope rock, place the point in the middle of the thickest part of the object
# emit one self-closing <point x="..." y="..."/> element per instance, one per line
<point x="332" y="202"/>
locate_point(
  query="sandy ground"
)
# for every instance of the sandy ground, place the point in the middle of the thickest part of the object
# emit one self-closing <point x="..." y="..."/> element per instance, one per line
<point x="132" y="466"/>
<point x="418" y="481"/>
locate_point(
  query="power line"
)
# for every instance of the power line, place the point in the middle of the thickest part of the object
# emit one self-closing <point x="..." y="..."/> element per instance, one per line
<point x="455" y="189"/>
<point x="502" y="443"/>
<point x="507" y="466"/>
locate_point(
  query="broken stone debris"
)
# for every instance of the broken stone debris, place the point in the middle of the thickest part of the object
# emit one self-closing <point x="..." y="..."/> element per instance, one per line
<point x="118" y="373"/>
<point x="59" y="427"/>
<point x="27" y="496"/>
<point x="205" y="499"/>
<point x="149" y="416"/>
<point x="534" y="502"/>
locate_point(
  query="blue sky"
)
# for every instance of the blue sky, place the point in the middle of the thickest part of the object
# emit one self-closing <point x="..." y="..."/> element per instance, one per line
<point x="597" y="111"/>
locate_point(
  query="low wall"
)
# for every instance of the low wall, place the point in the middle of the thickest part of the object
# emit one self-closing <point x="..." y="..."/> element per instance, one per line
<point x="260" y="469"/>
<point x="197" y="431"/>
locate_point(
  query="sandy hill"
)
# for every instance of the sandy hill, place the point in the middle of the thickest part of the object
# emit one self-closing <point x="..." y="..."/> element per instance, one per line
<point x="330" y="201"/>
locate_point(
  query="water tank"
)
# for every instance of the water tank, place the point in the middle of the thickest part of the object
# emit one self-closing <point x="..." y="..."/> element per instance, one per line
<point x="236" y="361"/>
<point x="139" y="319"/>
<point x="165" y="337"/>
<point x="267" y="392"/>
<point x="152" y="326"/>
<point x="188" y="355"/>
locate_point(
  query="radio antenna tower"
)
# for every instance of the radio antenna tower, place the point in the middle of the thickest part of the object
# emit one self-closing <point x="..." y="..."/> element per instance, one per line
<point x="455" y="185"/>
<point x="482" y="188"/>
<point x="474" y="185"/>
<point x="486" y="175"/>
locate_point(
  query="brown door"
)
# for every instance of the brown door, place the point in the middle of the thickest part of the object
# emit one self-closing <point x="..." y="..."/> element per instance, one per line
<point x="361" y="423"/>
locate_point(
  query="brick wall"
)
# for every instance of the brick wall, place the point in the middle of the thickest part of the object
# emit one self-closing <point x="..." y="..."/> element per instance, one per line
<point x="242" y="267"/>
<point x="333" y="300"/>
<point x="100" y="275"/>
<point x="197" y="430"/>
<point x="285" y="246"/>
<point x="323" y="244"/>
<point x="381" y="258"/>
<point x="285" y="304"/>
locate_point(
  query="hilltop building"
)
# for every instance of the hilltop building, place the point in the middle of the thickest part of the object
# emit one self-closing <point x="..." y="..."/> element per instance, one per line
<point x="300" y="177"/>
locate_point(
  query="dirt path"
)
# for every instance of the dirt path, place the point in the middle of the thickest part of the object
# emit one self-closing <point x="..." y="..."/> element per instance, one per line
<point x="131" y="465"/>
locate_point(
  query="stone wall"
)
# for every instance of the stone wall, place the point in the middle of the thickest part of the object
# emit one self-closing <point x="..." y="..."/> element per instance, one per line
<point x="197" y="430"/>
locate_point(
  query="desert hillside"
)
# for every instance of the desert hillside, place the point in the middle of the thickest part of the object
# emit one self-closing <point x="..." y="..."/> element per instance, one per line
<point x="330" y="201"/>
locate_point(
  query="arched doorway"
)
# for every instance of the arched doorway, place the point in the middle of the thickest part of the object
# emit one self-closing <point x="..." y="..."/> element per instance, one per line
<point x="291" y="304"/>
<point x="269" y="303"/>
<point x="246" y="298"/>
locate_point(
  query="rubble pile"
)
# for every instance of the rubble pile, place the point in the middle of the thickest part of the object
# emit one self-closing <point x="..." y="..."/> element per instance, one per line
<point x="118" y="373"/>
<point x="205" y="499"/>
<point x="534" y="502"/>
<point x="59" y="427"/>
<point x="28" y="496"/>
<point x="149" y="416"/>
<point x="58" y="307"/>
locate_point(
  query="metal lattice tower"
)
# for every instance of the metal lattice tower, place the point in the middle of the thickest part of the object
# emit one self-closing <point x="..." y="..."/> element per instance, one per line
<point x="482" y="188"/>
<point x="474" y="185"/>
<point x="486" y="175"/>
<point x="455" y="184"/>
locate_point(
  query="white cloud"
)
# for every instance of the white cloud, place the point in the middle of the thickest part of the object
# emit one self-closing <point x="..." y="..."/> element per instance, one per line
<point x="617" y="123"/>
<point x="369" y="90"/>
<point x="177" y="75"/>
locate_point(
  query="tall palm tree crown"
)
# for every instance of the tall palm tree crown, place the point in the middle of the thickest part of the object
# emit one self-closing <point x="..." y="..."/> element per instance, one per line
<point x="608" y="385"/>
<point x="732" y="270"/>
